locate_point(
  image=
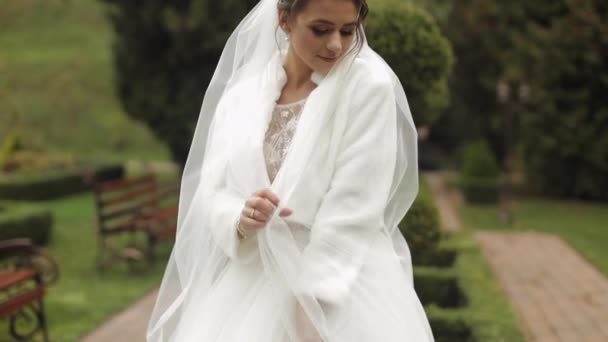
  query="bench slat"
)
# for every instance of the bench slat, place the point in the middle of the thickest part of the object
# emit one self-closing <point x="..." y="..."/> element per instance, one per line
<point x="127" y="211"/>
<point x="15" y="303"/>
<point x="11" y="278"/>
<point x="122" y="183"/>
<point x="128" y="195"/>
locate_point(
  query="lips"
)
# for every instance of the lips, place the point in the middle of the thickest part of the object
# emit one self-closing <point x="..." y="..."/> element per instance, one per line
<point x="329" y="59"/>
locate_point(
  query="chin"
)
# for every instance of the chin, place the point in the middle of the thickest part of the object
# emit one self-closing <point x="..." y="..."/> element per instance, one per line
<point x="322" y="68"/>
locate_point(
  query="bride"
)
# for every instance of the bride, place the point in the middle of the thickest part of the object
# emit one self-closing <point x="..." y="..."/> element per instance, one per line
<point x="302" y="164"/>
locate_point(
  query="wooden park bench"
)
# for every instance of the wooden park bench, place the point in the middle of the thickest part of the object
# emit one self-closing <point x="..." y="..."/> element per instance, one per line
<point x="127" y="208"/>
<point x="25" y="272"/>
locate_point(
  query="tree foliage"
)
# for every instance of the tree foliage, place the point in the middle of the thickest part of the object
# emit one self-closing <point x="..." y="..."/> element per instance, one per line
<point x="560" y="49"/>
<point x="165" y="53"/>
<point x="565" y="130"/>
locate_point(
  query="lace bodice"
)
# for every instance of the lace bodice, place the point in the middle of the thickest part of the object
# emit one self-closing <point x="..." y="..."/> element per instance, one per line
<point x="279" y="134"/>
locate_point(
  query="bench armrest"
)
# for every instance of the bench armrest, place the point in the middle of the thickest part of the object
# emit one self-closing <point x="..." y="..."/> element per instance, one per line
<point x="25" y="255"/>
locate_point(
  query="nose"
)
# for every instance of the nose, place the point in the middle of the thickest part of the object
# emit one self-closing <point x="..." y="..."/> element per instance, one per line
<point x="335" y="43"/>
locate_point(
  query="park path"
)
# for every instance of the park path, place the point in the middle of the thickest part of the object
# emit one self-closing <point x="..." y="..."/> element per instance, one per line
<point x="128" y="325"/>
<point x="446" y="201"/>
<point x="557" y="295"/>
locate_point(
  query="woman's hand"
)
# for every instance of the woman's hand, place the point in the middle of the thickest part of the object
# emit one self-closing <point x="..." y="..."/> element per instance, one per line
<point x="258" y="209"/>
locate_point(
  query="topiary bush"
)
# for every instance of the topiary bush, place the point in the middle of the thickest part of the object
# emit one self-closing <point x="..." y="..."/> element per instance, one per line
<point x="25" y="220"/>
<point x="412" y="44"/>
<point x="480" y="174"/>
<point x="420" y="228"/>
<point x="165" y="53"/>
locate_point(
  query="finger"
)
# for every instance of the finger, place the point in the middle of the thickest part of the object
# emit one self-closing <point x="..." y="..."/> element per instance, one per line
<point x="271" y="196"/>
<point x="249" y="223"/>
<point x="285" y="212"/>
<point x="262" y="205"/>
<point x="255" y="214"/>
<point x="246" y="212"/>
<point x="260" y="216"/>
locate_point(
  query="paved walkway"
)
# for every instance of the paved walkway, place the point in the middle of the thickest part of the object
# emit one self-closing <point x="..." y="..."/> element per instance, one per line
<point x="128" y="326"/>
<point x="557" y="295"/>
<point x="446" y="201"/>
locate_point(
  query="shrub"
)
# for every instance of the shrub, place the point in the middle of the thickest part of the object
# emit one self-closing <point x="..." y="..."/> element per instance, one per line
<point x="58" y="183"/>
<point x="439" y="286"/>
<point x="420" y="227"/>
<point x="25" y="220"/>
<point x="451" y="326"/>
<point x="480" y="174"/>
<point x="480" y="190"/>
<point x="411" y="43"/>
<point x="441" y="257"/>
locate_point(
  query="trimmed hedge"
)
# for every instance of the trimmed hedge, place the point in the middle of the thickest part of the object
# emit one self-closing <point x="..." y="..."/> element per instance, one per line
<point x="40" y="186"/>
<point x="480" y="181"/>
<point x="440" y="257"/>
<point x="479" y="190"/>
<point x="450" y="325"/>
<point x="420" y="227"/>
<point x="439" y="286"/>
<point x="25" y="220"/>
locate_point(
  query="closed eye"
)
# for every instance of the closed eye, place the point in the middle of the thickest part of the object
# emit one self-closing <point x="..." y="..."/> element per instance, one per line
<point x="322" y="32"/>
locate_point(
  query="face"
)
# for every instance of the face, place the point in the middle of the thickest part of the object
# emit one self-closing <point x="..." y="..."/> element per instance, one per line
<point x="321" y="32"/>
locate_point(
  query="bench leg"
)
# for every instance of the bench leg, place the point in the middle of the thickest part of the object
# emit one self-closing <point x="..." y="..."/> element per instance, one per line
<point x="34" y="312"/>
<point x="152" y="240"/>
<point x="101" y="251"/>
<point x="42" y="320"/>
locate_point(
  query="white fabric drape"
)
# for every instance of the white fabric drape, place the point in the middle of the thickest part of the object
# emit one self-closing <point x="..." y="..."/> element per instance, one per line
<point x="350" y="175"/>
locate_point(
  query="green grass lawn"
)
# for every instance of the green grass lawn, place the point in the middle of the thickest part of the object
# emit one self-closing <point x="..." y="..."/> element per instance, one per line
<point x="83" y="298"/>
<point x="56" y="67"/>
<point x="583" y="225"/>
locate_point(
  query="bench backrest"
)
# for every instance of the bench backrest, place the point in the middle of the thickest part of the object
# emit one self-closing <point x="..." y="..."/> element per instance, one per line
<point x="119" y="201"/>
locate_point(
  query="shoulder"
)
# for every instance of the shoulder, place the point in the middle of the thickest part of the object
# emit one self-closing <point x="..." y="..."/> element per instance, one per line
<point x="370" y="79"/>
<point x="370" y="76"/>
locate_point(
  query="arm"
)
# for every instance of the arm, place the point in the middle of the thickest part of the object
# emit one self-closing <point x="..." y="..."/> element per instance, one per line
<point x="221" y="206"/>
<point x="352" y="211"/>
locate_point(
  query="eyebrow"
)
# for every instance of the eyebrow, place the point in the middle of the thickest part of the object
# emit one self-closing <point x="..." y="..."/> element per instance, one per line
<point x="324" y="21"/>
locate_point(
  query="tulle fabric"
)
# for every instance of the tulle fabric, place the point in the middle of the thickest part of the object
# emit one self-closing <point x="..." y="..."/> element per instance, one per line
<point x="244" y="306"/>
<point x="337" y="269"/>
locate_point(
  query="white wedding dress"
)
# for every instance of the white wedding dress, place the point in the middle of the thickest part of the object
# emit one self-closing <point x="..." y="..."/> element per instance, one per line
<point x="242" y="306"/>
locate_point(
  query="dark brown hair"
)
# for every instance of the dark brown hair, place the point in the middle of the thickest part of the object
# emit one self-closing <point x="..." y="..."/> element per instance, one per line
<point x="292" y="7"/>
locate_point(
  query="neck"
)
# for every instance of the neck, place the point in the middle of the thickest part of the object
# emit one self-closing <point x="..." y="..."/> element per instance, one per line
<point x="298" y="73"/>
